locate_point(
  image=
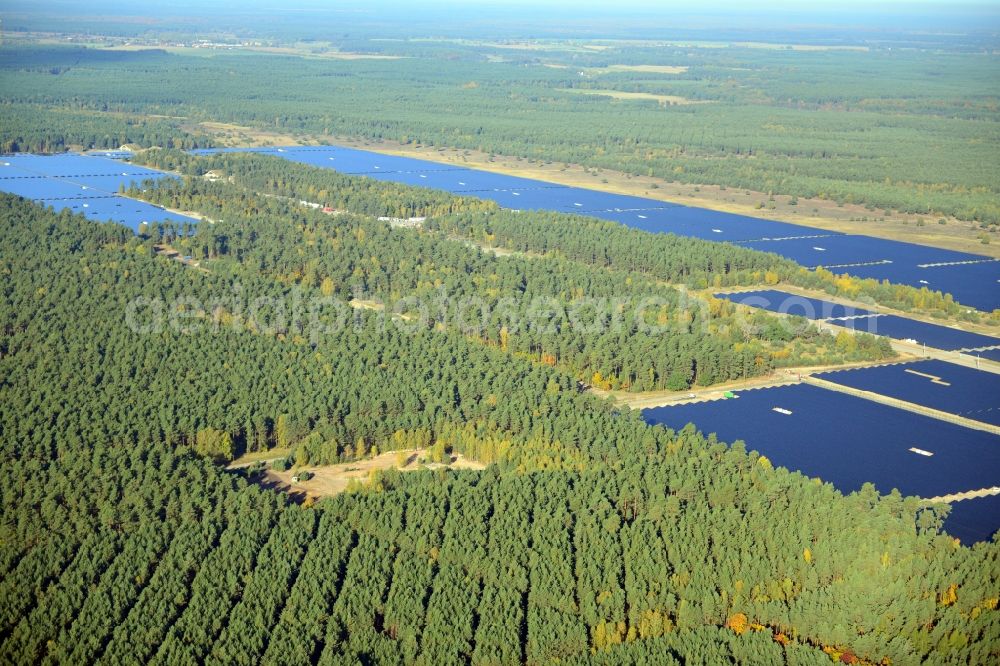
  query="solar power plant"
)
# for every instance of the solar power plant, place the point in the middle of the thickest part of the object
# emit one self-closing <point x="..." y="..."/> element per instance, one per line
<point x="919" y="332"/>
<point x="112" y="183"/>
<point x="793" y="304"/>
<point x="42" y="188"/>
<point x="359" y="162"/>
<point x="593" y="202"/>
<point x="84" y="184"/>
<point x="122" y="210"/>
<point x="708" y="224"/>
<point x="845" y="250"/>
<point x="900" y="328"/>
<point x="975" y="284"/>
<point x="66" y="165"/>
<point x="990" y="354"/>
<point x="956" y="389"/>
<point x="848" y="440"/>
<point x="973" y="280"/>
<point x="8" y="170"/>
<point x="113" y="154"/>
<point x="554" y="199"/>
<point x="973" y="520"/>
<point x="461" y="181"/>
<point x="213" y="151"/>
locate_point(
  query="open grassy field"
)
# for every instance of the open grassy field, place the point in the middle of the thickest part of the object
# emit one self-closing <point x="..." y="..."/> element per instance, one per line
<point x="627" y="96"/>
<point x="645" y="69"/>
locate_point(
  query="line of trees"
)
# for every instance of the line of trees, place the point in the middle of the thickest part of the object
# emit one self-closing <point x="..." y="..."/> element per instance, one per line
<point x="700" y="264"/>
<point x="35" y="128"/>
<point x="609" y="328"/>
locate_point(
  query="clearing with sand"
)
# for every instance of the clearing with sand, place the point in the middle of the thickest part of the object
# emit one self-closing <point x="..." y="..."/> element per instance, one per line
<point x="329" y="480"/>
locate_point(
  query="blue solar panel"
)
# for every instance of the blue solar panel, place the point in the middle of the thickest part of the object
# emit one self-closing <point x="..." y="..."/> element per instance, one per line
<point x="8" y="170"/>
<point x="793" y="304"/>
<point x="705" y="224"/>
<point x="533" y="199"/>
<point x="847" y="249"/>
<point x="213" y="151"/>
<point x="956" y="389"/>
<point x="975" y="285"/>
<point x="84" y="184"/>
<point x="122" y="210"/>
<point x="847" y="440"/>
<point x="111" y="184"/>
<point x="350" y="161"/>
<point x="932" y="335"/>
<point x="41" y="189"/>
<point x="459" y="181"/>
<point x="71" y="164"/>
<point x="112" y="154"/>
<point x="973" y="520"/>
<point x="989" y="354"/>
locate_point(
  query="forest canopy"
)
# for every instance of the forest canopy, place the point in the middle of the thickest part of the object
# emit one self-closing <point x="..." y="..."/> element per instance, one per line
<point x="592" y="537"/>
<point x="312" y="319"/>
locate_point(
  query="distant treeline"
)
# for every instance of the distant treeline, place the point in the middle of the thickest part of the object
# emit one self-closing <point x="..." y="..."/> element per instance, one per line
<point x="852" y="127"/>
<point x="37" y="129"/>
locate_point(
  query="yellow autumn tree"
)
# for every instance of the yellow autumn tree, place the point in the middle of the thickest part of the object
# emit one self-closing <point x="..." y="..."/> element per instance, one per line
<point x="605" y="634"/>
<point x="597" y="379"/>
<point x="326" y="287"/>
<point x="653" y="623"/>
<point x="846" y="342"/>
<point x="738" y="623"/>
<point x="949" y="596"/>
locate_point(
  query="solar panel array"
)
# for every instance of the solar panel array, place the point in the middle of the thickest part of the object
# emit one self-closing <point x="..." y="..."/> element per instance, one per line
<point x="948" y="387"/>
<point x="973" y="279"/>
<point x="848" y="440"/>
<point x="85" y="184"/>
<point x="947" y="338"/>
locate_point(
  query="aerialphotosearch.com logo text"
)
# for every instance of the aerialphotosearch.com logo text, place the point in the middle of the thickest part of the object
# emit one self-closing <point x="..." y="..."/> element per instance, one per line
<point x="310" y="315"/>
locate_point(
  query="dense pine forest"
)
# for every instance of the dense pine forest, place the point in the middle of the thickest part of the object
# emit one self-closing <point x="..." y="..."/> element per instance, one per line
<point x="613" y="329"/>
<point x="155" y="382"/>
<point x="593" y="538"/>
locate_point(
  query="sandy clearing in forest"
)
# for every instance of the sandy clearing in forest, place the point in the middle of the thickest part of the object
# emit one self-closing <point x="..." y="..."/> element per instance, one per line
<point x="329" y="480"/>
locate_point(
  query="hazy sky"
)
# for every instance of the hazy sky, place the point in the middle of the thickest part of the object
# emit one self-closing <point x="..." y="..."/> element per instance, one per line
<point x="893" y="15"/>
<point x="659" y="6"/>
